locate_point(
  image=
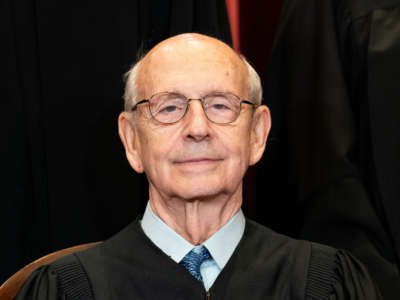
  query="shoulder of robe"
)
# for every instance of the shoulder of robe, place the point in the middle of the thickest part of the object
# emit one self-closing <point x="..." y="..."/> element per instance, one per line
<point x="63" y="279"/>
<point x="336" y="274"/>
<point x="330" y="273"/>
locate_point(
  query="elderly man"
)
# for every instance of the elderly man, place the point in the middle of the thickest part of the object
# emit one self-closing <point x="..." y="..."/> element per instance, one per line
<point x="194" y="122"/>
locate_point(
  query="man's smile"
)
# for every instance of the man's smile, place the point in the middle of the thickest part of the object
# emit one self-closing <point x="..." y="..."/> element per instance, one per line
<point x="198" y="160"/>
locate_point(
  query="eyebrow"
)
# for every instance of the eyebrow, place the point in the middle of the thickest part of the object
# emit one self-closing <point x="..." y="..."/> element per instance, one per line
<point x="176" y="91"/>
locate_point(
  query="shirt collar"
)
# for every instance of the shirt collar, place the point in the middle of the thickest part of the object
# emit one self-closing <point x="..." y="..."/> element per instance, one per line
<point x="220" y="245"/>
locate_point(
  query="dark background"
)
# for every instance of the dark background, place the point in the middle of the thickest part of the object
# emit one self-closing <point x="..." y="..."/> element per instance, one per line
<point x="64" y="176"/>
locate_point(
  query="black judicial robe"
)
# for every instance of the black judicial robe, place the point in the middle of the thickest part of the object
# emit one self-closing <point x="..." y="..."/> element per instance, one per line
<point x="333" y="89"/>
<point x="265" y="265"/>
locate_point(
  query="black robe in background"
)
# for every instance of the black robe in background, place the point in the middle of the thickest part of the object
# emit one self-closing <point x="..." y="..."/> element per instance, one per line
<point x="64" y="177"/>
<point x="334" y="89"/>
<point x="265" y="265"/>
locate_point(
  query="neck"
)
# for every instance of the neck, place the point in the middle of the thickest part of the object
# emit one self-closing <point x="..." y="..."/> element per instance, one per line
<point x="196" y="220"/>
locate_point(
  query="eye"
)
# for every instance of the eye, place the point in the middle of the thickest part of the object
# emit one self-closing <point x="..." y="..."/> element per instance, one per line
<point x="220" y="106"/>
<point x="169" y="109"/>
<point x="171" y="106"/>
<point x="218" y="103"/>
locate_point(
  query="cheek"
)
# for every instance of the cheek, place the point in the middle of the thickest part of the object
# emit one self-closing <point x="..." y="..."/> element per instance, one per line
<point x="153" y="155"/>
<point x="156" y="147"/>
<point x="241" y="140"/>
<point x="238" y="146"/>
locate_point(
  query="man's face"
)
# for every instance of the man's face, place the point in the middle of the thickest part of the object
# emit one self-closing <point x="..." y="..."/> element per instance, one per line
<point x="193" y="158"/>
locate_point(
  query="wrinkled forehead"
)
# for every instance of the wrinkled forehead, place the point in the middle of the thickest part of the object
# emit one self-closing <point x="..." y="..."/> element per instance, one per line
<point x="187" y="62"/>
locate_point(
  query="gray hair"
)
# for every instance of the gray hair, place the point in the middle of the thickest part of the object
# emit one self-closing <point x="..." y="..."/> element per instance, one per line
<point x="254" y="83"/>
<point x="131" y="87"/>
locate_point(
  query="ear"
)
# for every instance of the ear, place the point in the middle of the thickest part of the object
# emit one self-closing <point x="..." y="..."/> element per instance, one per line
<point x="128" y="134"/>
<point x="261" y="125"/>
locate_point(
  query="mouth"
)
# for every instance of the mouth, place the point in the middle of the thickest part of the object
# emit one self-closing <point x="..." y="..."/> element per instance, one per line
<point x="197" y="160"/>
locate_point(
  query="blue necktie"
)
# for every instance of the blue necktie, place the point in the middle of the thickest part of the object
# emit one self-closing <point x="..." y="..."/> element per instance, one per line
<point x="193" y="260"/>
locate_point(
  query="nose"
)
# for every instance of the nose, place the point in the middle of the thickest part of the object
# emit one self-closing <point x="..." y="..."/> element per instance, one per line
<point x="196" y="122"/>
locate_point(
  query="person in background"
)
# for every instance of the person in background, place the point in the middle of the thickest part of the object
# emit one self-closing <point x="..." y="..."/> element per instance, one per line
<point x="333" y="82"/>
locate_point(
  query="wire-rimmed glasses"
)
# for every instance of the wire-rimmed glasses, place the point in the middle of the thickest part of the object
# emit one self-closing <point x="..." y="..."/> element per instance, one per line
<point x="219" y="107"/>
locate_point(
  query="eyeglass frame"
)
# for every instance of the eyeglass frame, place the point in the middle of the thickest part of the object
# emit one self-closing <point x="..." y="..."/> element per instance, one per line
<point x="255" y="106"/>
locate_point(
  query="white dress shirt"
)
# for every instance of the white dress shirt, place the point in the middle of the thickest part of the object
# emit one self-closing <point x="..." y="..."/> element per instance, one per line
<point x="220" y="245"/>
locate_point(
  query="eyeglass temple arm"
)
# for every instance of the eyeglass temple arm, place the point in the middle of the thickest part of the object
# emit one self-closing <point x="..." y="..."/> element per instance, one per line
<point x="140" y="102"/>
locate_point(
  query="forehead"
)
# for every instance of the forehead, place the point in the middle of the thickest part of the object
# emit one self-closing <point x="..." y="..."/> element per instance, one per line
<point x="192" y="65"/>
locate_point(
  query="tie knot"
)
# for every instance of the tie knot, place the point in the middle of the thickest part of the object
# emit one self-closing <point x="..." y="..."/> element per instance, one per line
<point x="193" y="260"/>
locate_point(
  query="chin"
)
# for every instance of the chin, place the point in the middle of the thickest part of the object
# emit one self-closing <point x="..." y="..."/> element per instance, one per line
<point x="194" y="192"/>
<point x="206" y="190"/>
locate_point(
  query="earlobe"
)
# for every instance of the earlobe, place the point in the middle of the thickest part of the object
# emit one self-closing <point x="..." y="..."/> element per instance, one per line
<point x="261" y="125"/>
<point x="127" y="133"/>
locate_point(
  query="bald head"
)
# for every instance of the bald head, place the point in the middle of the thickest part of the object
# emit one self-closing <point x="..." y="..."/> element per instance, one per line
<point x="191" y="54"/>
